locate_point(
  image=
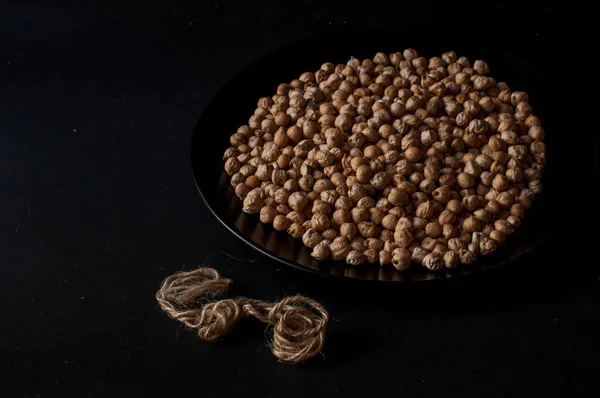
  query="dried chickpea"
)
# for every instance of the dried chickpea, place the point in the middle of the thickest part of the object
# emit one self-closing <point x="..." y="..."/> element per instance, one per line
<point x="454" y="206"/>
<point x="367" y="229"/>
<point x="296" y="230"/>
<point x="446" y="217"/>
<point x="428" y="243"/>
<point x="449" y="231"/>
<point x="281" y="223"/>
<point x="321" y="250"/>
<point x="355" y="257"/>
<point x="389" y="221"/>
<point x="434" y="229"/>
<point x="242" y="190"/>
<point x="339" y="248"/>
<point x="498" y="236"/>
<point x="401" y="258"/>
<point x="433" y="261"/>
<point x="451" y="259"/>
<point x="472" y="224"/>
<point x="268" y="214"/>
<point x="466" y="257"/>
<point x="465" y="180"/>
<point x="413" y="154"/>
<point x="402" y="237"/>
<point x="348" y="230"/>
<point x="398" y="197"/>
<point x="515" y="222"/>
<point x="371" y="256"/>
<point x="311" y="238"/>
<point x="418" y="254"/>
<point x="319" y="222"/>
<point x="385" y="257"/>
<point x="503" y="226"/>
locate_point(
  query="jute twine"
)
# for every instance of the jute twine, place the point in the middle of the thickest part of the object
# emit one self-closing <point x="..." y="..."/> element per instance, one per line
<point x="192" y="298"/>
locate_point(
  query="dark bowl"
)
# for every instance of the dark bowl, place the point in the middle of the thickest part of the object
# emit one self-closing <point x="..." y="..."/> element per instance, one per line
<point x="236" y="101"/>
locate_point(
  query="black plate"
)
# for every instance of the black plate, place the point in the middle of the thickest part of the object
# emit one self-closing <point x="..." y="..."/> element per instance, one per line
<point x="236" y="101"/>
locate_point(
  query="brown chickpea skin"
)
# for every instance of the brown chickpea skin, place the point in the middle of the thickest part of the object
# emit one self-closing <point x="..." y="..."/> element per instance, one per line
<point x="385" y="257"/>
<point x="465" y="180"/>
<point x="296" y="230"/>
<point x="401" y="258"/>
<point x="281" y="223"/>
<point x="413" y="154"/>
<point x="241" y="190"/>
<point x="341" y="216"/>
<point x="321" y="250"/>
<point x="355" y="258"/>
<point x="367" y="229"/>
<point x="348" y="230"/>
<point x="319" y="222"/>
<point x="389" y="221"/>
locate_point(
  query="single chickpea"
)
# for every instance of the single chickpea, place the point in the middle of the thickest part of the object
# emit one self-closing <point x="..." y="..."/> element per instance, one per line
<point x="321" y="251"/>
<point x="371" y="256"/>
<point x="281" y="223"/>
<point x="418" y="254"/>
<point x="498" y="236"/>
<point x="465" y="180"/>
<point x="472" y="224"/>
<point x="441" y="194"/>
<point x="348" y="230"/>
<point x="311" y="238"/>
<point x="446" y="217"/>
<point x="253" y="201"/>
<point x="454" y="206"/>
<point x="359" y="214"/>
<point x="433" y="261"/>
<point x="466" y="257"/>
<point x="471" y="202"/>
<point x="355" y="258"/>
<point x="398" y="197"/>
<point x="503" y="226"/>
<point x="413" y="154"/>
<point x="319" y="222"/>
<point x="385" y="257"/>
<point x="268" y="214"/>
<point x="297" y="201"/>
<point x="367" y="229"/>
<point x="449" y="231"/>
<point x="505" y="200"/>
<point x="242" y="190"/>
<point x="434" y="229"/>
<point x="401" y="258"/>
<point x="451" y="259"/>
<point x="389" y="221"/>
<point x="296" y="230"/>
<point x="403" y="237"/>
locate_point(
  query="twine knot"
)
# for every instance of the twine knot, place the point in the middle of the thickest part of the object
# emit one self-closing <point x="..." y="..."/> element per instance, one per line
<point x="217" y="318"/>
<point x="298" y="322"/>
<point x="299" y="328"/>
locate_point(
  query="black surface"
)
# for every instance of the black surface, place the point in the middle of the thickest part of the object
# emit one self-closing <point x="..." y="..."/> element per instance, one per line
<point x="98" y="103"/>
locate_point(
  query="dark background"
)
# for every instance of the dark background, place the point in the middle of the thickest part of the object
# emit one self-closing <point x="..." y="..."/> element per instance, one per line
<point x="98" y="103"/>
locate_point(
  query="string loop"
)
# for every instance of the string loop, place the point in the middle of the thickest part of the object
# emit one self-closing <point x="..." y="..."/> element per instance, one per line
<point x="194" y="299"/>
